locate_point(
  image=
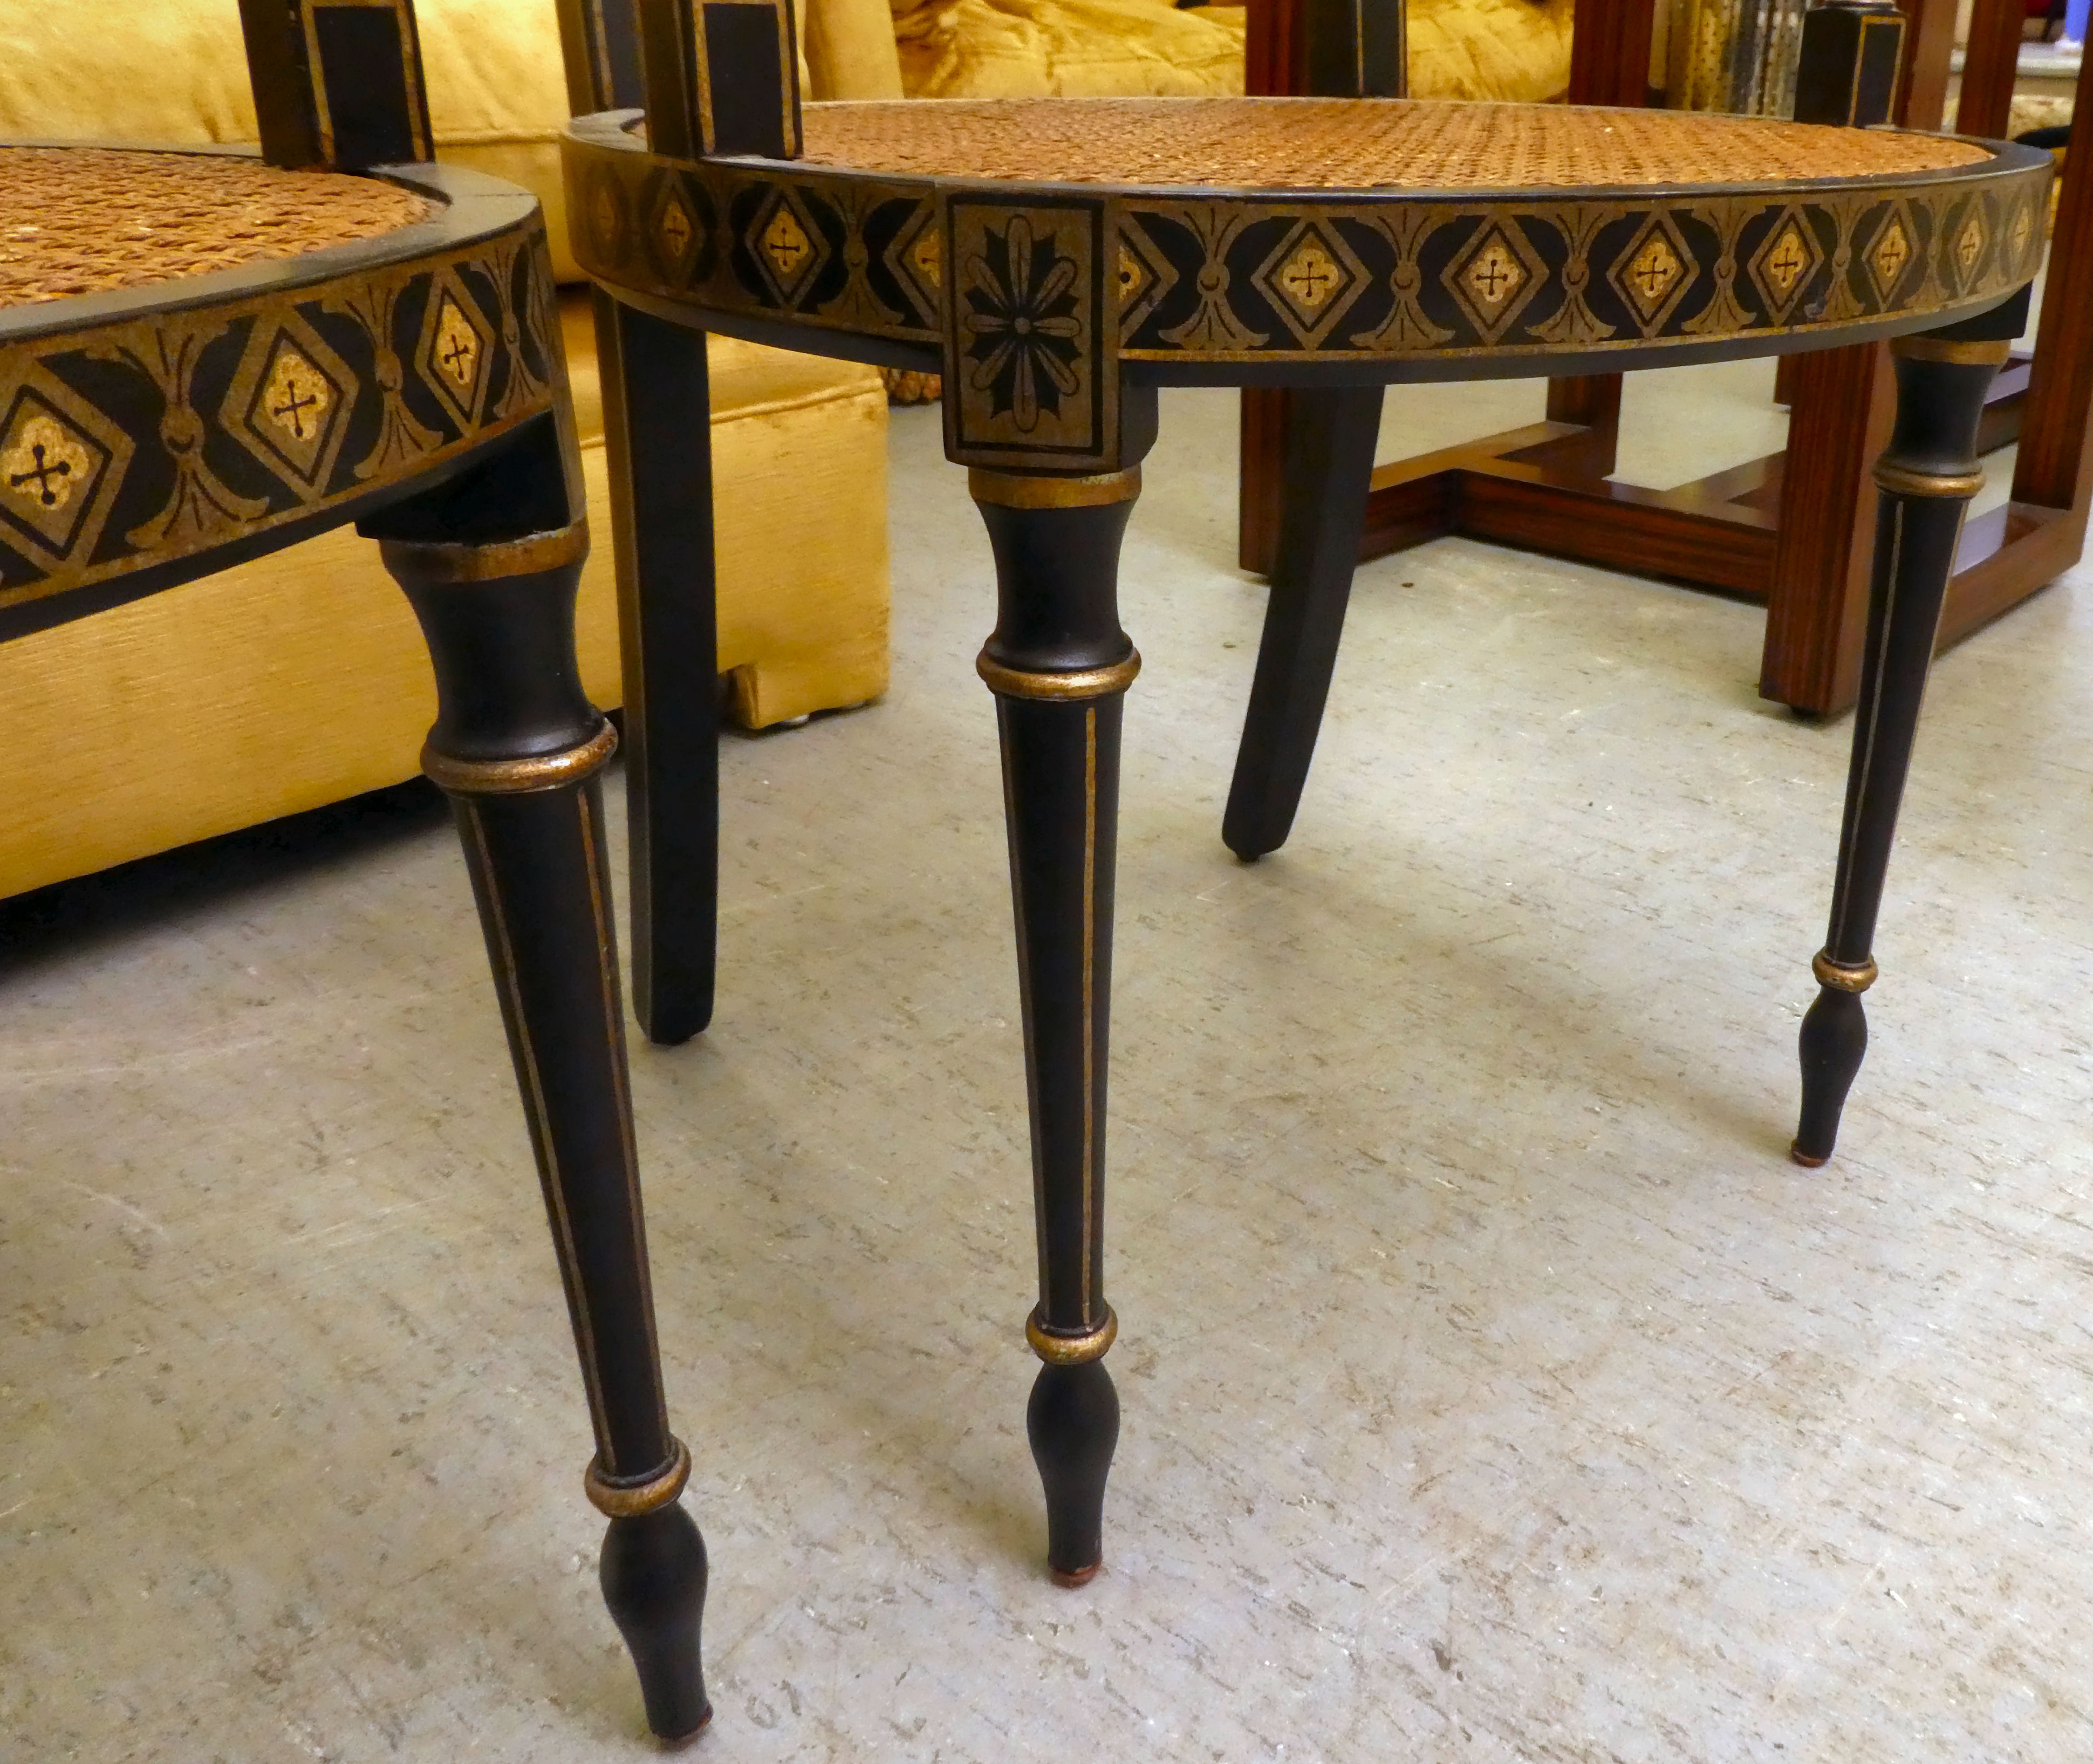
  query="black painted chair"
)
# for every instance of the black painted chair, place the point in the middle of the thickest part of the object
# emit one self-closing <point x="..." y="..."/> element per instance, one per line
<point x="342" y="331"/>
<point x="1057" y="261"/>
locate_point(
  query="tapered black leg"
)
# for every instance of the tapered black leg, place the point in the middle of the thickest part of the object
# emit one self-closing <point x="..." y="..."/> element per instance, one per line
<point x="1927" y="475"/>
<point x="1329" y="460"/>
<point x="518" y="747"/>
<point x="1059" y="666"/>
<point x="656" y="431"/>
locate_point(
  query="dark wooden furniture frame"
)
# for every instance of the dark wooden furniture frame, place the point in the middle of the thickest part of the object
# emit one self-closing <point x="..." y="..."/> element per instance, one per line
<point x="423" y="398"/>
<point x="1129" y="289"/>
<point x="1793" y="530"/>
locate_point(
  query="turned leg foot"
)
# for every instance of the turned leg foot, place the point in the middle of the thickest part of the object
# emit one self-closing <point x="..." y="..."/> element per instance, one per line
<point x="1833" y="1042"/>
<point x="1059" y="666"/>
<point x="1927" y="475"/>
<point x="1073" y="1421"/>
<point x="653" y="1576"/>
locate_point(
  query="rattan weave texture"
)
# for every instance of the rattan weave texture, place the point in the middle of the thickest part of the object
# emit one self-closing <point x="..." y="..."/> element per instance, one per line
<point x="1323" y="144"/>
<point x="80" y="220"/>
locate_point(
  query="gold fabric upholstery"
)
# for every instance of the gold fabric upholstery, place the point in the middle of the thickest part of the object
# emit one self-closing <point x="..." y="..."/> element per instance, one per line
<point x="300" y="679"/>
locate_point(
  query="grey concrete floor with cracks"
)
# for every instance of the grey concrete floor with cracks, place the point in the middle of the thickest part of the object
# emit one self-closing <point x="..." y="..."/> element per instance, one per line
<point x="1495" y="1389"/>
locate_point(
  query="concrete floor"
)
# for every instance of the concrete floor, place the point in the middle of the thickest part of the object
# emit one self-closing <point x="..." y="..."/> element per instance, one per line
<point x="1494" y="1388"/>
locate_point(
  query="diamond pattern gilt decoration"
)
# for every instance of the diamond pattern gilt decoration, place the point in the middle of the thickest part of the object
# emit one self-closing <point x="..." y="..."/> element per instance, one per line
<point x="456" y="349"/>
<point x="1655" y="270"/>
<point x="786" y="247"/>
<point x="1311" y="278"/>
<point x="678" y="234"/>
<point x="1141" y="275"/>
<point x="2023" y="229"/>
<point x="288" y="403"/>
<point x="47" y="471"/>
<point x="1494" y="278"/>
<point x="60" y="463"/>
<point x="1224" y="276"/>
<point x="1890" y="255"/>
<point x="916" y="254"/>
<point x="1969" y="243"/>
<point x="929" y="257"/>
<point x="1784" y="265"/>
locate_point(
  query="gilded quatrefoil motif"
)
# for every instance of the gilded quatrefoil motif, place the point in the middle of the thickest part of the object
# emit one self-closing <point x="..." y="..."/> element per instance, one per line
<point x="296" y="399"/>
<point x="1889" y="256"/>
<point x="457" y="347"/>
<point x="1493" y="274"/>
<point x="1652" y="273"/>
<point x="44" y="465"/>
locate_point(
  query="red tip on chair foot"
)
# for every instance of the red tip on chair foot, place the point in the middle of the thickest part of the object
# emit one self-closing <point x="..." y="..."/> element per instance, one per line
<point x="1805" y="1160"/>
<point x="677" y="1742"/>
<point x="1075" y="1577"/>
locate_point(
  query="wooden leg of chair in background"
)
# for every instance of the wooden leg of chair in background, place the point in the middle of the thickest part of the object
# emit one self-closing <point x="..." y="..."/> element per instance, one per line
<point x="1329" y="459"/>
<point x="518" y="747"/>
<point x="656" y="406"/>
<point x="1927" y="475"/>
<point x="1059" y="666"/>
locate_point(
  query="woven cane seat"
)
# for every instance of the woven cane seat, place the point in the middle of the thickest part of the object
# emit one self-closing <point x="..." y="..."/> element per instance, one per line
<point x="1039" y="253"/>
<point x="1333" y="144"/>
<point x="87" y="220"/>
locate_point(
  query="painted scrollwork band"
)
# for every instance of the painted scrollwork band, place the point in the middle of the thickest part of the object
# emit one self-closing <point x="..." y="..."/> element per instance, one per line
<point x="127" y="446"/>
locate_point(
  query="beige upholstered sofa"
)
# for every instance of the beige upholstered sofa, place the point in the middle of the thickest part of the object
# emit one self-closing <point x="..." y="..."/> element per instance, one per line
<point x="301" y="679"/>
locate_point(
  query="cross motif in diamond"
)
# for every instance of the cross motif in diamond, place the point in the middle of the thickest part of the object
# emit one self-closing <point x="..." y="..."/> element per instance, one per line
<point x="457" y="346"/>
<point x="1654" y="269"/>
<point x="1493" y="274"/>
<point x="1310" y="276"/>
<point x="1787" y="262"/>
<point x="676" y="228"/>
<point x="787" y="244"/>
<point x="43" y="471"/>
<point x="1968" y="244"/>
<point x="292" y="411"/>
<point x="1891" y="255"/>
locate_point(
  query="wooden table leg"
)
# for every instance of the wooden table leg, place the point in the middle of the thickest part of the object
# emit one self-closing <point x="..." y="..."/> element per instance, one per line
<point x="1060" y="665"/>
<point x="1927" y="475"/>
<point x="518" y="747"/>
<point x="657" y="433"/>
<point x="1329" y="459"/>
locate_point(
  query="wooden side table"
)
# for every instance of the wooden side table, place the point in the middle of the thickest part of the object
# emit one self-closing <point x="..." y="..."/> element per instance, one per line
<point x="1058" y="261"/>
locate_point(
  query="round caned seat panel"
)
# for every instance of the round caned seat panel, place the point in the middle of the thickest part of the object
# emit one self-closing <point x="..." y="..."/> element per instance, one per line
<point x="1039" y="252"/>
<point x="199" y="351"/>
<point x="1336" y="143"/>
<point x="88" y="220"/>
